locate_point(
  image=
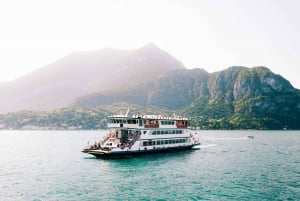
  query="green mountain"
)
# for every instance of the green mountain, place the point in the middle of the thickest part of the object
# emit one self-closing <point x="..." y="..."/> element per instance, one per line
<point x="237" y="97"/>
<point x="248" y="98"/>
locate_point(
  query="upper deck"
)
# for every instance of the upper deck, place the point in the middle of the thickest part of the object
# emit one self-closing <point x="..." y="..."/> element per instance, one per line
<point x="148" y="122"/>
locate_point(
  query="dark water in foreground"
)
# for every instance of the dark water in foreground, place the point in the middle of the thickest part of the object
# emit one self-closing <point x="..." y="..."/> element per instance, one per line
<point x="48" y="165"/>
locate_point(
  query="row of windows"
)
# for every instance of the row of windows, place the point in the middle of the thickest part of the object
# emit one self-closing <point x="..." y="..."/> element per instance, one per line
<point x="163" y="132"/>
<point x="161" y="142"/>
<point x="135" y="121"/>
<point x="122" y="121"/>
<point x="167" y="122"/>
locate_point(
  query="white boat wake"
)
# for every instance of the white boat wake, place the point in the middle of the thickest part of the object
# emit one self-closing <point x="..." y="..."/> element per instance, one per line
<point x="228" y="138"/>
<point x="204" y="146"/>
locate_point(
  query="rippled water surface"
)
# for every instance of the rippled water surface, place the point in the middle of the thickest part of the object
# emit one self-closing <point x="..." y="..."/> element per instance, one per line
<point x="48" y="165"/>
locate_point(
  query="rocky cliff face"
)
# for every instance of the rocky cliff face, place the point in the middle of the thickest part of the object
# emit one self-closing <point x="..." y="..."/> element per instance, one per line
<point x="258" y="93"/>
<point x="240" y="83"/>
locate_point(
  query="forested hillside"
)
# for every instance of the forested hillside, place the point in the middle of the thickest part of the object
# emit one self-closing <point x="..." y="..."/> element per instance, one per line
<point x="237" y="97"/>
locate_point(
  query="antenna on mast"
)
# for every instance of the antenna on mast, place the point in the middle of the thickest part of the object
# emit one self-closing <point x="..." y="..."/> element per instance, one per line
<point x="127" y="112"/>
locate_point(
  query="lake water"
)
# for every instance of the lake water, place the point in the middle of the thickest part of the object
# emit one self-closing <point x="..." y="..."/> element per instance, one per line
<point x="49" y="165"/>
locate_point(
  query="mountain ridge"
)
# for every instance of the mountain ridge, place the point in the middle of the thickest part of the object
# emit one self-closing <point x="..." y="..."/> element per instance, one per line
<point x="81" y="73"/>
<point x="148" y="77"/>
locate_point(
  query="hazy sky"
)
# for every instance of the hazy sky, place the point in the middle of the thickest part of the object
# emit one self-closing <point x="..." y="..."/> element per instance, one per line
<point x="209" y="34"/>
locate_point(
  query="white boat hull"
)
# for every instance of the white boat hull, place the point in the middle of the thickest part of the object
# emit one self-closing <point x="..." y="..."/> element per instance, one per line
<point x="101" y="153"/>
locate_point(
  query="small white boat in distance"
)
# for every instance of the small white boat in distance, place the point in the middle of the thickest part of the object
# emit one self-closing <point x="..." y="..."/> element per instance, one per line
<point x="143" y="134"/>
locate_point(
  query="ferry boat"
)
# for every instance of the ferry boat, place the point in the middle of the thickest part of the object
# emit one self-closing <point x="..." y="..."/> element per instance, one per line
<point x="143" y="134"/>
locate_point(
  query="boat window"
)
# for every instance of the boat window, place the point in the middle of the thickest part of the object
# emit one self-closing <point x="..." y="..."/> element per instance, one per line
<point x="140" y="122"/>
<point x="131" y="121"/>
<point x="151" y="143"/>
